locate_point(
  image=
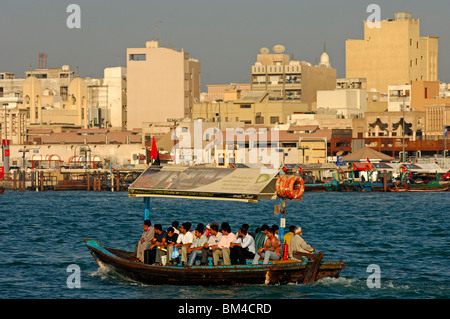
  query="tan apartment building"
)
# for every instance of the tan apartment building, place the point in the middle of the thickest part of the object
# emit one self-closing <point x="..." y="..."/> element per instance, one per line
<point x="437" y="117"/>
<point x="253" y="108"/>
<point x="55" y="96"/>
<point x="291" y="80"/>
<point x="162" y="84"/>
<point x="225" y="92"/>
<point x="393" y="54"/>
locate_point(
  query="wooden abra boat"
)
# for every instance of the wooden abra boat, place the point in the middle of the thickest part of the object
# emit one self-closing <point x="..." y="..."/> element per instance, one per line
<point x="236" y="184"/>
<point x="276" y="272"/>
<point x="435" y="186"/>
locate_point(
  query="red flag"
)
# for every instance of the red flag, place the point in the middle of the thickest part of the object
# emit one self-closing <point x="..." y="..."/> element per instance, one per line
<point x="154" y="152"/>
<point x="368" y="160"/>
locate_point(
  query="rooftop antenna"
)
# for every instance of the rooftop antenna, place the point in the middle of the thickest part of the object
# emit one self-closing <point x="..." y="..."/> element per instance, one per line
<point x="158" y="30"/>
<point x="42" y="61"/>
<point x="78" y="72"/>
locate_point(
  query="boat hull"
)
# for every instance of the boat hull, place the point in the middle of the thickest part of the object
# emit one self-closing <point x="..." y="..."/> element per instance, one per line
<point x="281" y="272"/>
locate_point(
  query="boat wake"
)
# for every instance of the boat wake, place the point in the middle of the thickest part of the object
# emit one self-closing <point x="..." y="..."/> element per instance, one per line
<point x="106" y="273"/>
<point x="340" y="281"/>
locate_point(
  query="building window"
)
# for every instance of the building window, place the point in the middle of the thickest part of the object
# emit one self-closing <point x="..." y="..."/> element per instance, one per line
<point x="138" y="57"/>
<point x="274" y="119"/>
<point x="259" y="120"/>
<point x="246" y="106"/>
<point x="64" y="92"/>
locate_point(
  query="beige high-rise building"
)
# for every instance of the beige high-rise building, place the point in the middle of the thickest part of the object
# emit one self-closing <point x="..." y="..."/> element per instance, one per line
<point x="393" y="54"/>
<point x="162" y="84"/>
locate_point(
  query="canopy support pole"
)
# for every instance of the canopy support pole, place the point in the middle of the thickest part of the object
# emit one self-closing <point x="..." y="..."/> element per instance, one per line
<point x="147" y="208"/>
<point x="282" y="223"/>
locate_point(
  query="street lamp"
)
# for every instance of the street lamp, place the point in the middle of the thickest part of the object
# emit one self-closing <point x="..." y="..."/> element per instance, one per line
<point x="23" y="151"/>
<point x="403" y="124"/>
<point x="85" y="150"/>
<point x="303" y="148"/>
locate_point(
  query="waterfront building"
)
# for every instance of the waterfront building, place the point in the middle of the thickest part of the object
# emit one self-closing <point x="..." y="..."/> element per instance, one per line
<point x="399" y="98"/>
<point x="290" y="80"/>
<point x="224" y="92"/>
<point x="437" y="120"/>
<point x="252" y="108"/>
<point x="345" y="103"/>
<point x="13" y="121"/>
<point x="393" y="54"/>
<point x="119" y="148"/>
<point x="162" y="84"/>
<point x="55" y="95"/>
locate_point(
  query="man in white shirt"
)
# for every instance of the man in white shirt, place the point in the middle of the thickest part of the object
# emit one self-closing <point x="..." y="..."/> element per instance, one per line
<point x="184" y="241"/>
<point x="195" y="251"/>
<point x="242" y="248"/>
<point x="213" y="240"/>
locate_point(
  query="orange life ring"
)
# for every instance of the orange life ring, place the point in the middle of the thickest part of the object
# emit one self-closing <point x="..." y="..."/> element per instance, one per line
<point x="286" y="187"/>
<point x="278" y="184"/>
<point x="296" y="187"/>
<point x="291" y="187"/>
<point x="283" y="187"/>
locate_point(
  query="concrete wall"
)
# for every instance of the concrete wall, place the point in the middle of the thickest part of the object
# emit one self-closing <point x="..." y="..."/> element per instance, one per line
<point x="347" y="102"/>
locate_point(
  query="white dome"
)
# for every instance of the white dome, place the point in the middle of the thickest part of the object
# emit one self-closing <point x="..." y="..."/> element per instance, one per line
<point x="325" y="60"/>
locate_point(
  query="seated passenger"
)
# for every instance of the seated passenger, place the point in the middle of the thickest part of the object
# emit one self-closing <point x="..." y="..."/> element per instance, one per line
<point x="170" y="242"/>
<point x="195" y="250"/>
<point x="287" y="238"/>
<point x="157" y="243"/>
<point x="261" y="237"/>
<point x="242" y="248"/>
<point x="271" y="249"/>
<point x="175" y="227"/>
<point x="213" y="240"/>
<point x="146" y="239"/>
<point x="299" y="245"/>
<point x="222" y="249"/>
<point x="184" y="241"/>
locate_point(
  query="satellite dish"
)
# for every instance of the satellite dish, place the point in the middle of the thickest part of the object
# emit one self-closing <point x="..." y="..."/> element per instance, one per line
<point x="278" y="48"/>
<point x="374" y="98"/>
<point x="264" y="50"/>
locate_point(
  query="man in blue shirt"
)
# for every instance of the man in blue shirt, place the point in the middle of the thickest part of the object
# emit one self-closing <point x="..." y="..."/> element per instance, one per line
<point x="242" y="248"/>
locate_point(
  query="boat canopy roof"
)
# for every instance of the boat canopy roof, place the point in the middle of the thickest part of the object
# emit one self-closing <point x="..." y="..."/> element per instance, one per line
<point x="412" y="167"/>
<point x="206" y="182"/>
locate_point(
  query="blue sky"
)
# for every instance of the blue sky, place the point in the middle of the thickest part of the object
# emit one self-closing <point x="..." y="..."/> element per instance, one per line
<point x="224" y="35"/>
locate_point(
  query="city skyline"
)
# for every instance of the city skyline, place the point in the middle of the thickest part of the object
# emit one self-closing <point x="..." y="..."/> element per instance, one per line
<point x="224" y="37"/>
